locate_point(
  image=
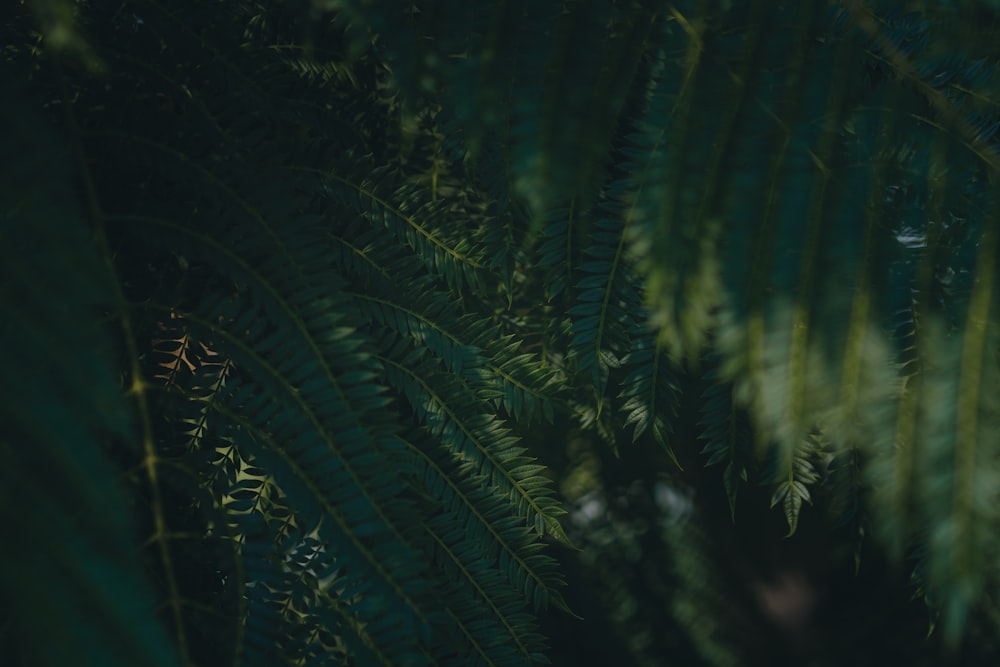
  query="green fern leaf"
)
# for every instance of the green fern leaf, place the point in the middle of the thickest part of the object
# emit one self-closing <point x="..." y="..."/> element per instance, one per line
<point x="727" y="434"/>
<point x="463" y="424"/>
<point x="605" y="302"/>
<point x="649" y="390"/>
<point x="792" y="489"/>
<point x="398" y="298"/>
<point x="416" y="220"/>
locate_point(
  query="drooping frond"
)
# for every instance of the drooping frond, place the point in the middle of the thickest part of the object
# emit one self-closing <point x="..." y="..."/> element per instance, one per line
<point x="663" y="212"/>
<point x="847" y="500"/>
<point x="68" y="557"/>
<point x="391" y="292"/>
<point x="464" y="425"/>
<point x="558" y="248"/>
<point x="410" y="214"/>
<point x="953" y="441"/>
<point x="522" y="85"/>
<point x="334" y="461"/>
<point x="649" y="390"/>
<point x="727" y="434"/>
<point x="605" y="306"/>
<point x="793" y="478"/>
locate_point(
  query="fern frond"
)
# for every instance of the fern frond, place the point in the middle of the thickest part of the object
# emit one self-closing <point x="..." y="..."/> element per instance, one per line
<point x="558" y="249"/>
<point x="467" y="346"/>
<point x="810" y="351"/>
<point x="455" y="50"/>
<point x="793" y="479"/>
<point x="663" y="213"/>
<point x="649" y="390"/>
<point x="467" y="428"/>
<point x="606" y="299"/>
<point x="467" y="497"/>
<point x="391" y="292"/>
<point x="557" y="152"/>
<point x="527" y="388"/>
<point x="68" y="559"/>
<point x="848" y="508"/>
<point x="310" y="388"/>
<point x="727" y="433"/>
<point x="297" y="596"/>
<point x="384" y="572"/>
<point x="416" y="220"/>
<point x="953" y="445"/>
<point x="482" y="585"/>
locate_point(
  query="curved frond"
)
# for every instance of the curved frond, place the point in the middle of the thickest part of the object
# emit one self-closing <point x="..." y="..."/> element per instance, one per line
<point x="606" y="299"/>
<point x="649" y="390"/>
<point x="793" y="478"/>
<point x="466" y="427"/>
<point x="391" y="293"/>
<point x="727" y="434"/>
<point x="68" y="560"/>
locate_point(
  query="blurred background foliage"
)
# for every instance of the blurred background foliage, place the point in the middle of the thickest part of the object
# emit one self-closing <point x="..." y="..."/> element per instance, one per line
<point x="631" y="333"/>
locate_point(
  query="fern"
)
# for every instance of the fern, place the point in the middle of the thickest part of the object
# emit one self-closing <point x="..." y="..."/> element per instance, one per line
<point x="605" y="300"/>
<point x="478" y="438"/>
<point x="455" y="259"/>
<point x="650" y="391"/>
<point x="382" y="282"/>
<point x="727" y="435"/>
<point x="393" y="293"/>
<point x="791" y="488"/>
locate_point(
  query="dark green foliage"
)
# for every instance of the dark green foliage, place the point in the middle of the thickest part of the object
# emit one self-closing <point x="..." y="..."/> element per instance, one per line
<point x="332" y="327"/>
<point x="69" y="551"/>
<point x="727" y="435"/>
